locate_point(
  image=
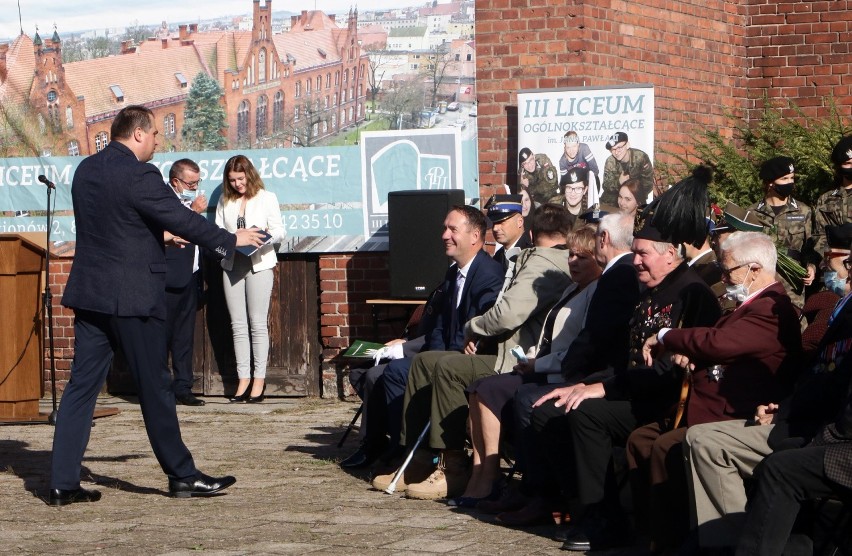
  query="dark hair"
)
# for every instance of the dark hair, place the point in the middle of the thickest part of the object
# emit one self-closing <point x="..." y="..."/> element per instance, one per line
<point x="240" y="163"/>
<point x="475" y="219"/>
<point x="551" y="220"/>
<point x="178" y="166"/>
<point x="128" y="119"/>
<point x="633" y="185"/>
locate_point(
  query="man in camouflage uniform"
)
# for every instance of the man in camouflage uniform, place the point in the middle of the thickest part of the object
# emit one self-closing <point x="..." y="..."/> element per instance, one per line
<point x="834" y="208"/>
<point x="790" y="222"/>
<point x="540" y="177"/>
<point x="625" y="163"/>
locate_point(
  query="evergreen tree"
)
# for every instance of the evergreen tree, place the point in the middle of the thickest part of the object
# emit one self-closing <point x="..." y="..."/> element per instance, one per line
<point x="204" y="117"/>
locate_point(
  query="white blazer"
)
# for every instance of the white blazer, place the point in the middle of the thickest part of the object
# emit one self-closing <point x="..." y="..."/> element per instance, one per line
<point x="262" y="211"/>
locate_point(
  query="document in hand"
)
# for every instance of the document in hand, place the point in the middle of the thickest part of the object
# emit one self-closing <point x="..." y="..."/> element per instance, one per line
<point x="362" y="349"/>
<point x="249" y="250"/>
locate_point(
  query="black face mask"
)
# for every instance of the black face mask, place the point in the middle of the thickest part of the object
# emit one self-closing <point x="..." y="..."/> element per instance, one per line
<point x="784" y="190"/>
<point x="846" y="173"/>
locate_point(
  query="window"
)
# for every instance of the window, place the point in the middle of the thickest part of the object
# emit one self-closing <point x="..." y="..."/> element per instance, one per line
<point x="101" y="140"/>
<point x="73" y="148"/>
<point x="277" y="112"/>
<point x="325" y="126"/>
<point x="296" y="114"/>
<point x="335" y="100"/>
<point x="243" y="121"/>
<point x="342" y="96"/>
<point x="327" y="80"/>
<point x="261" y="66"/>
<point x="307" y="86"/>
<point x="469" y="57"/>
<point x="169" y="125"/>
<point x="51" y="96"/>
<point x="181" y="80"/>
<point x="345" y="75"/>
<point x="116" y="92"/>
<point x="298" y="89"/>
<point x="69" y="117"/>
<point x="53" y="115"/>
<point x="319" y="82"/>
<point x="336" y="78"/>
<point x="325" y="102"/>
<point x="260" y="115"/>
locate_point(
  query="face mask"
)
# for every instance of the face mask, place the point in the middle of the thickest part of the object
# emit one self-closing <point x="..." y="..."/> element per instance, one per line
<point x="784" y="190"/>
<point x="833" y="283"/>
<point x="738" y="292"/>
<point x="846" y="173"/>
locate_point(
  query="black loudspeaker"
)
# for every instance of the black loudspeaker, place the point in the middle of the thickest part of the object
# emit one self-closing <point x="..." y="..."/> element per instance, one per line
<point x="415" y="226"/>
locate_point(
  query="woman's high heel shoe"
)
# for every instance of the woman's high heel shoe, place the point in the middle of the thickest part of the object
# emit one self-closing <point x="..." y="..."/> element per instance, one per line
<point x="240" y="398"/>
<point x="257" y="399"/>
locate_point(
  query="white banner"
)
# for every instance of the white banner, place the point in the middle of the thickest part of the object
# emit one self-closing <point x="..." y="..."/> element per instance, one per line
<point x="596" y="115"/>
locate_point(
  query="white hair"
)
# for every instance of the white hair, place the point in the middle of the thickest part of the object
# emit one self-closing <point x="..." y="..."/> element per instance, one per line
<point x="620" y="230"/>
<point x="751" y="247"/>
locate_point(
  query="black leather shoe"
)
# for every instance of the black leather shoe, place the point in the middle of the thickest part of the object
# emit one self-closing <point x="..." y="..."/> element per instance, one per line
<point x="360" y="459"/>
<point x="59" y="497"/>
<point x="257" y="399"/>
<point x="240" y="398"/>
<point x="189" y="399"/>
<point x="203" y="485"/>
<point x="578" y="542"/>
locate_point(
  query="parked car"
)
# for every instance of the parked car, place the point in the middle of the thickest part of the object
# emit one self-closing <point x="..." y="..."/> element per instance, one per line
<point x="472" y="113"/>
<point x="453" y="106"/>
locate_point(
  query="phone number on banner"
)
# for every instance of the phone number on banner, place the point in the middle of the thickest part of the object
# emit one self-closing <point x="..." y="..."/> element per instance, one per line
<point x="324" y="222"/>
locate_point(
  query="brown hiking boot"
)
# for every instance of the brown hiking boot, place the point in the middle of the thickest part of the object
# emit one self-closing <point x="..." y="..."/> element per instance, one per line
<point x="421" y="465"/>
<point x="448" y="480"/>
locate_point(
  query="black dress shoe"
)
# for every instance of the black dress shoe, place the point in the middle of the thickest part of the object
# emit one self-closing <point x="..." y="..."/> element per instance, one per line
<point x="239" y="398"/>
<point x="362" y="458"/>
<point x="257" y="399"/>
<point x="202" y="485"/>
<point x="60" y="497"/>
<point x="189" y="399"/>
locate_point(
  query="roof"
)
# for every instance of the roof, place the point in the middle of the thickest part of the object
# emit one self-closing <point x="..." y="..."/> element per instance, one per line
<point x="20" y="61"/>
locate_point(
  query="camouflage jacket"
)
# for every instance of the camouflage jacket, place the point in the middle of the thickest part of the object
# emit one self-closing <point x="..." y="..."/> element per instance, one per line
<point x="638" y="165"/>
<point x="543" y="181"/>
<point x="833" y="208"/>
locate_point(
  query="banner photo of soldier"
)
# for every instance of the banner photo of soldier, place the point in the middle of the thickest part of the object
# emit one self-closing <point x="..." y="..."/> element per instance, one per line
<point x="607" y="131"/>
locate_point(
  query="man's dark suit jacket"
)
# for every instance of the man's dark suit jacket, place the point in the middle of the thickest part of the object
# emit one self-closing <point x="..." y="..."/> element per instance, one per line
<point x="179" y="262"/>
<point x="603" y="341"/>
<point x="524" y="242"/>
<point x="481" y="287"/>
<point x="122" y="209"/>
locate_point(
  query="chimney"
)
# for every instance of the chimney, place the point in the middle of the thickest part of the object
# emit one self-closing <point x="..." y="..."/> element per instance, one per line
<point x="165" y="43"/>
<point x="182" y="34"/>
<point x="126" y="48"/>
<point x="193" y="28"/>
<point x="332" y="17"/>
<point x="293" y="20"/>
<point x="304" y="16"/>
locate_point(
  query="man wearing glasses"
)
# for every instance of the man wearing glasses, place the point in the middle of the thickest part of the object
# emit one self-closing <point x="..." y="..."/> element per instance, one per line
<point x="721" y="455"/>
<point x="624" y="163"/>
<point x="183" y="282"/>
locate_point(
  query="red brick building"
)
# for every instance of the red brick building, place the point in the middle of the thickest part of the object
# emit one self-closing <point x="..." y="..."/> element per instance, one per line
<point x="267" y="81"/>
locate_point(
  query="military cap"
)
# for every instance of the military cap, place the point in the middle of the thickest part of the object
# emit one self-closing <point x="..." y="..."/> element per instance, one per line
<point x="842" y="151"/>
<point x="736" y="218"/>
<point x="839" y="237"/>
<point x="574" y="175"/>
<point x="501" y="207"/>
<point x="594" y="215"/>
<point x="524" y="155"/>
<point x="776" y="167"/>
<point x="614" y="139"/>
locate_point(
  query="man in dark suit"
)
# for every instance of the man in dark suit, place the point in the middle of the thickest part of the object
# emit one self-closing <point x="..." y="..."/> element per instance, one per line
<point x="117" y="289"/>
<point x="183" y="281"/>
<point x="441" y="328"/>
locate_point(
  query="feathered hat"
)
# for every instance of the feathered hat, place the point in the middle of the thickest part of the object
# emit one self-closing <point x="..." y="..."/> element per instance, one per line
<point x="680" y="214"/>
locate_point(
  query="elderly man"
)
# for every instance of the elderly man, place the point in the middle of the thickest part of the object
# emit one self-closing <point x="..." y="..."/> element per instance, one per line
<point x="436" y="389"/>
<point x="470" y="288"/>
<point x="721" y="455"/>
<point x="580" y="424"/>
<point x="624" y="163"/>
<point x="745" y="359"/>
<point x="538" y="176"/>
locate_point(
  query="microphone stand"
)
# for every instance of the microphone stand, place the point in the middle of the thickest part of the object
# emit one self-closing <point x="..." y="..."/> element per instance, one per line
<point x="47" y="304"/>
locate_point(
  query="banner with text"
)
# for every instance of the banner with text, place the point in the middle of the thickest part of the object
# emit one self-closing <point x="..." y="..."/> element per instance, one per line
<point x="571" y="127"/>
<point x="333" y="199"/>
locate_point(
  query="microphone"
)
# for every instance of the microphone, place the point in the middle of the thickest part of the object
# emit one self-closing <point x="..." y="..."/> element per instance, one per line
<point x="43" y="179"/>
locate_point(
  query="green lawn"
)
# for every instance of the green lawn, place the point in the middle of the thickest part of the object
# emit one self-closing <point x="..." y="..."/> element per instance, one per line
<point x="351" y="136"/>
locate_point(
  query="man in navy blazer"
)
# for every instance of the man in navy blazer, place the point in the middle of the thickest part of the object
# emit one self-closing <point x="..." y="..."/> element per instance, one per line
<point x="117" y="289"/>
<point x="449" y="308"/>
<point x="183" y="281"/>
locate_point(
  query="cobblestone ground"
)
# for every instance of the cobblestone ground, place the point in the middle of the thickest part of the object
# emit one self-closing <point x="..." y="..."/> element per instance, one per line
<point x="290" y="496"/>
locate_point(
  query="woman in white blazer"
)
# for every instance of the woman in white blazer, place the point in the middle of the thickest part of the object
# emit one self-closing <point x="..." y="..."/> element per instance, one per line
<point x="248" y="279"/>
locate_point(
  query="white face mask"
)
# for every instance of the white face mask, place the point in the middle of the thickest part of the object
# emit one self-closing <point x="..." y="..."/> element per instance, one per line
<point x="738" y="292"/>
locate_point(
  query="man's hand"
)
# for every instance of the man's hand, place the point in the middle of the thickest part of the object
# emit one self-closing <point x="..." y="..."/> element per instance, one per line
<point x="765" y="414"/>
<point x="525" y="181"/>
<point x="570" y="397"/>
<point x="199" y="204"/>
<point x="683" y="361"/>
<point x="623" y="178"/>
<point x="525" y="368"/>
<point x="395" y="341"/>
<point x="248" y="236"/>
<point x="649" y="349"/>
<point x="809" y="278"/>
<point x="470" y="347"/>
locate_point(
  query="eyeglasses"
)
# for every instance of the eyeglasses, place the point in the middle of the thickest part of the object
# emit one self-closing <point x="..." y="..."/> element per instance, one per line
<point x="190" y="183"/>
<point x="619" y="147"/>
<point x="728" y="271"/>
<point x="847" y="264"/>
<point x="574" y="189"/>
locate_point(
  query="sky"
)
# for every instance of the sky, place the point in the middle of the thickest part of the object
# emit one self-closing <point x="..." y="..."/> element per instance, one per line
<point x="76" y="15"/>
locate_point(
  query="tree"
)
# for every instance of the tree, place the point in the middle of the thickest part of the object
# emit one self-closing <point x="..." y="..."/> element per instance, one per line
<point x="404" y="100"/>
<point x="204" y="117"/>
<point x="137" y="33"/>
<point x="435" y="71"/>
<point x="375" y="74"/>
<point x="779" y="130"/>
<point x="306" y="123"/>
<point x="101" y="47"/>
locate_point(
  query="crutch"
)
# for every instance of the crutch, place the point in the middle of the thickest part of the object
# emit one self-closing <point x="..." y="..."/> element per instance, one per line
<point x="392" y="486"/>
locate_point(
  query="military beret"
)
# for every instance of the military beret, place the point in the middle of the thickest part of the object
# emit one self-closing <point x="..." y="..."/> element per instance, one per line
<point x="524" y="155"/>
<point x="842" y="151"/>
<point x="839" y="237"/>
<point x="575" y="175"/>
<point x="614" y="139"/>
<point x="776" y="167"/>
